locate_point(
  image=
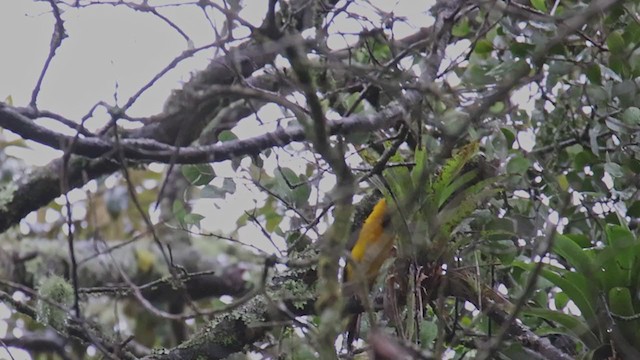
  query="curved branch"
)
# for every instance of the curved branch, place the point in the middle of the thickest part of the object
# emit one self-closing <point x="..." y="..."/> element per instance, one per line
<point x="97" y="275"/>
<point x="231" y="334"/>
<point x="148" y="150"/>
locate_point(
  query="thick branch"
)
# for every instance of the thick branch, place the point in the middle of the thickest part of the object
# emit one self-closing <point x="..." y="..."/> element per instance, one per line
<point x="44" y="341"/>
<point x="149" y="150"/>
<point x="204" y="277"/>
<point x="231" y="334"/>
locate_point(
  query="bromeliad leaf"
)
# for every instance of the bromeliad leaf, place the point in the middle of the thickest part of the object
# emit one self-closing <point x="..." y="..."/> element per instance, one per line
<point x="461" y="207"/>
<point x="419" y="172"/>
<point x="451" y="169"/>
<point x="573" y="253"/>
<point x="621" y="305"/>
<point x="575" y="285"/>
<point x="398" y="178"/>
<point x="571" y="323"/>
<point x="457" y="184"/>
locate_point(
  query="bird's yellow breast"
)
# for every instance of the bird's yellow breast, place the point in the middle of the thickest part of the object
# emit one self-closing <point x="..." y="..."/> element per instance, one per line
<point x="373" y="245"/>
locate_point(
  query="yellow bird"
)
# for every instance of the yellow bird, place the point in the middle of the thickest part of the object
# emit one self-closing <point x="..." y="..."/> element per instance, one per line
<point x="373" y="246"/>
<point x="371" y="249"/>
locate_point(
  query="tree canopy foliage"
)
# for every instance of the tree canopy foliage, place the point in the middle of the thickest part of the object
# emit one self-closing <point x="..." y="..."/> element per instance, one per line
<point x="501" y="134"/>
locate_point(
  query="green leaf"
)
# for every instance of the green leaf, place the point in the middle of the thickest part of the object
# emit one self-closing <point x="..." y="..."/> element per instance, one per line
<point x="428" y="332"/>
<point x="634" y="209"/>
<point x="193" y="219"/>
<point x="575" y="285"/>
<point x="229" y="185"/>
<point x="350" y="100"/>
<point x="597" y="93"/>
<point x="539" y="5"/>
<point x="217" y="192"/>
<point x="621" y="304"/>
<point x="631" y="115"/>
<point x="273" y="220"/>
<point x="594" y="74"/>
<point x="463" y="204"/>
<point x="497" y="108"/>
<point x="632" y="32"/>
<point x="381" y="51"/>
<point x="419" y="171"/>
<point x="455" y="185"/>
<point x="614" y="267"/>
<point x="619" y="237"/>
<point x="518" y="165"/>
<point x="582" y="240"/>
<point x="560" y="300"/>
<point x="450" y="170"/>
<point x="558" y="70"/>
<point x="483" y="47"/>
<point x="626" y="91"/>
<point x="362" y="56"/>
<point x="573" y="253"/>
<point x="571" y="323"/>
<point x="563" y="182"/>
<point x="477" y="75"/>
<point x="500" y="225"/>
<point x="574" y="150"/>
<point x="461" y="28"/>
<point x="198" y="174"/>
<point x="212" y="192"/>
<point x="291" y="187"/>
<point x="618" y="259"/>
<point x="584" y="158"/>
<point x="619" y="64"/>
<point x="613" y="124"/>
<point x="508" y="67"/>
<point x="504" y="250"/>
<point x="616" y="43"/>
<point x="226" y="135"/>
<point x="358" y="138"/>
<point x="620" y="301"/>
<point x="509" y="135"/>
<point x="179" y="212"/>
<point x="521" y="49"/>
<point x="455" y="121"/>
<point x="613" y="169"/>
<point x="302" y="192"/>
<point x="297" y="241"/>
<point x="633" y="165"/>
<point x="398" y="178"/>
